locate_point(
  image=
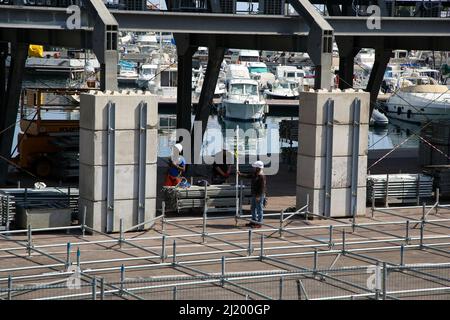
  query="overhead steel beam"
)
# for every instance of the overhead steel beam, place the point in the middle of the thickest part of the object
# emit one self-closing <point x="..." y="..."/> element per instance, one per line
<point x="21" y="17"/>
<point x="56" y="38"/>
<point x="391" y="26"/>
<point x="212" y="23"/>
<point x="256" y="42"/>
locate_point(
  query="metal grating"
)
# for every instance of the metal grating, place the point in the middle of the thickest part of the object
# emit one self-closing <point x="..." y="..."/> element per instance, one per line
<point x="275" y="7"/>
<point x="228" y="6"/>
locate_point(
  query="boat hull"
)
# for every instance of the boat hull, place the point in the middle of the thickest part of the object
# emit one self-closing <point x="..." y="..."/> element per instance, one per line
<point x="416" y="108"/>
<point x="243" y="111"/>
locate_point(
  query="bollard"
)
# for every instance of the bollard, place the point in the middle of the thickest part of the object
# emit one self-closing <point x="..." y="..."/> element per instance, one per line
<point x="402" y="253"/>
<point x="10" y="287"/>
<point x="250" y="247"/>
<point x="261" y="254"/>
<point x="163" y="248"/>
<point x="68" y="263"/>
<point x="330" y="239"/>
<point x="78" y="257"/>
<point x="29" y="240"/>
<point x="174" y="253"/>
<point x="280" y="297"/>
<point x="102" y="289"/>
<point x="94" y="288"/>
<point x="83" y="226"/>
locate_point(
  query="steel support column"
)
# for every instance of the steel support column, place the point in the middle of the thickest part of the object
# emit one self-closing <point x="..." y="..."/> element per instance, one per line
<point x="184" y="81"/>
<point x="382" y="57"/>
<point x="215" y="58"/>
<point x="104" y="42"/>
<point x="320" y="42"/>
<point x="3" y="56"/>
<point x="10" y="105"/>
<point x="347" y="53"/>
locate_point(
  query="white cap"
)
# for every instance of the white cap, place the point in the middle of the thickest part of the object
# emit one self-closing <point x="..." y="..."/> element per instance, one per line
<point x="179" y="147"/>
<point x="258" y="164"/>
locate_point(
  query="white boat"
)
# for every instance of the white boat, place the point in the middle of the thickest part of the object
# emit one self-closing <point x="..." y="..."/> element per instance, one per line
<point x="147" y="74"/>
<point x="378" y="119"/>
<point x="419" y="100"/>
<point x="260" y="72"/>
<point x="244" y="57"/>
<point x="236" y="71"/>
<point x="165" y="82"/>
<point x="243" y="101"/>
<point x="287" y="89"/>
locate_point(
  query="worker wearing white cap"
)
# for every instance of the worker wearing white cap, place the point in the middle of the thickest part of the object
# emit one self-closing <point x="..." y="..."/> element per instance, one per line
<point x="258" y="187"/>
<point x="177" y="166"/>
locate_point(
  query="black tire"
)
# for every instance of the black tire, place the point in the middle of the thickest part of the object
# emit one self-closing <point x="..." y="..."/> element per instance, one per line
<point x="43" y="167"/>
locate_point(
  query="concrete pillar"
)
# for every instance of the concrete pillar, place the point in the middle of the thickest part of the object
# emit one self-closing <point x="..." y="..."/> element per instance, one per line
<point x="332" y="156"/>
<point x="10" y="105"/>
<point x="382" y="57"/>
<point x="118" y="154"/>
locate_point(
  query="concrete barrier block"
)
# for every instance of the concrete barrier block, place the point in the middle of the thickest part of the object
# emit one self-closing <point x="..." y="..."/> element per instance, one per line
<point x="340" y="201"/>
<point x="311" y="171"/>
<point x="94" y="147"/>
<point x="313" y="140"/>
<point x="313" y="107"/>
<point x="94" y="111"/>
<point x="123" y="209"/>
<point x="93" y="182"/>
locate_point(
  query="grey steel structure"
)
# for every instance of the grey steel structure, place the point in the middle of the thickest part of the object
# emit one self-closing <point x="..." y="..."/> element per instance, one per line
<point x="202" y="23"/>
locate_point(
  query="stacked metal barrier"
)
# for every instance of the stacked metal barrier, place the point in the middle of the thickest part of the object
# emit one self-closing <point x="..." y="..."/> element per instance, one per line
<point x="45" y="198"/>
<point x="177" y="198"/>
<point x="399" y="187"/>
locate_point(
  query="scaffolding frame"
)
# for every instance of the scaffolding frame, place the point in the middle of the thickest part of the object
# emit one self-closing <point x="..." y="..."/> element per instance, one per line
<point x="337" y="245"/>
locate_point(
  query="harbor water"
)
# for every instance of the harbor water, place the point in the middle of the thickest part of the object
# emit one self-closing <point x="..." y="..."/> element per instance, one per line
<point x="261" y="137"/>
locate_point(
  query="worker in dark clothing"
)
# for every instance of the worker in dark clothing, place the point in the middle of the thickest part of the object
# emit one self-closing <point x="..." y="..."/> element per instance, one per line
<point x="258" y="189"/>
<point x="221" y="169"/>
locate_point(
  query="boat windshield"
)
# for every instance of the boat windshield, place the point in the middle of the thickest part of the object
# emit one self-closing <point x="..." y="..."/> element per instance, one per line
<point x="258" y="69"/>
<point x="148" y="71"/>
<point x="241" y="88"/>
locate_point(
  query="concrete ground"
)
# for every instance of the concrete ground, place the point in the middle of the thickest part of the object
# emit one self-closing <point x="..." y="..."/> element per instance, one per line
<point x="374" y="238"/>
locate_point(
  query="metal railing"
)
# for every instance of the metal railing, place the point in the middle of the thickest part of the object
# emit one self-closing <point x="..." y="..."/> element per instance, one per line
<point x="381" y="282"/>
